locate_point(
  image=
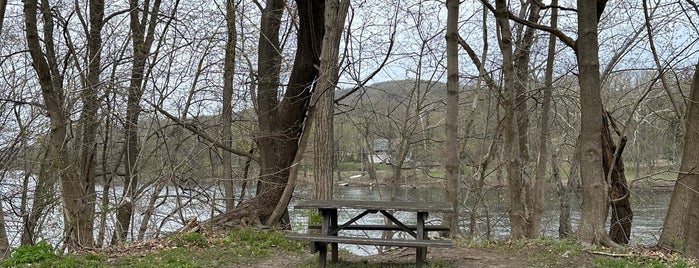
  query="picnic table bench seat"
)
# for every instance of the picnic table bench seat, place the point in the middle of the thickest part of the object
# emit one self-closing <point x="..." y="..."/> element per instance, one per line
<point x="380" y="227"/>
<point x="371" y="241"/>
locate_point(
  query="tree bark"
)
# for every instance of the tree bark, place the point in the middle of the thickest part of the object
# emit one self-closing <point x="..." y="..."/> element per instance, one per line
<point x="690" y="164"/>
<point x="619" y="193"/>
<point x="323" y="98"/>
<point x="51" y="83"/>
<point x="594" y="198"/>
<point x="521" y="65"/>
<point x="227" y="111"/>
<point x="679" y="228"/>
<point x="3" y="7"/>
<point x="451" y="124"/>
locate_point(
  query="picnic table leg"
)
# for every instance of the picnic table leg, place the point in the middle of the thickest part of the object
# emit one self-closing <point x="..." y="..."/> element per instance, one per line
<point x="322" y="253"/>
<point x="421" y="252"/>
<point x="325" y="230"/>
<point x="333" y="226"/>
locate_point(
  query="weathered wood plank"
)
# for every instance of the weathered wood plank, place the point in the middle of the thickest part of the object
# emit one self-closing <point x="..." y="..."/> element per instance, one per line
<point x="371" y="241"/>
<point x="376" y="205"/>
<point x="378" y="227"/>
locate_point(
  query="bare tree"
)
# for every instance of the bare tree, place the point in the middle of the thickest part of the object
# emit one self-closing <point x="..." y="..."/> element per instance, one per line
<point x="322" y="100"/>
<point x="280" y="121"/>
<point x="595" y="200"/>
<point x="227" y="112"/>
<point x="679" y="228"/>
<point x="513" y="158"/>
<point x="452" y="131"/>
<point x="142" y="24"/>
<point x="4" y="244"/>
<point x="544" y="131"/>
<point x="76" y="201"/>
<point x="89" y="120"/>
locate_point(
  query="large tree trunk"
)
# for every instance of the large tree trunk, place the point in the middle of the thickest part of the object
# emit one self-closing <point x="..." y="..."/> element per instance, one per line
<point x="323" y="98"/>
<point x="690" y="163"/>
<point x="451" y="124"/>
<point x="227" y="112"/>
<point x="516" y="187"/>
<point x="594" y="198"/>
<point x="74" y="200"/>
<point x="280" y="122"/>
<point x="679" y="229"/>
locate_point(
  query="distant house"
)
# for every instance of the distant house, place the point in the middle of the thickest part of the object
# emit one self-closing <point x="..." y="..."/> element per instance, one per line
<point x="381" y="151"/>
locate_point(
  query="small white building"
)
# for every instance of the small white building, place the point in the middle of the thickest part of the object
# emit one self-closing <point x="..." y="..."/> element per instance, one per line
<point x="381" y="151"/>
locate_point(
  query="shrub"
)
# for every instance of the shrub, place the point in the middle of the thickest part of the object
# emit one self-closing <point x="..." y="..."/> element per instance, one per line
<point x="39" y="252"/>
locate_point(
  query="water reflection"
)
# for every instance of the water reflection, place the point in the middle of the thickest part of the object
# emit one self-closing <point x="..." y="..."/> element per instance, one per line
<point x="650" y="207"/>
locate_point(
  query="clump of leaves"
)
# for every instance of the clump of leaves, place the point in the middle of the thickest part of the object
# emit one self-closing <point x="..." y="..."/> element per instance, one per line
<point x="314" y="218"/>
<point x="189" y="239"/>
<point x="39" y="252"/>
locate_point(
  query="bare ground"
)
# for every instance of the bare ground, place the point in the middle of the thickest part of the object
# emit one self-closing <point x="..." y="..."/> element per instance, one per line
<point x="526" y="254"/>
<point x="455" y="257"/>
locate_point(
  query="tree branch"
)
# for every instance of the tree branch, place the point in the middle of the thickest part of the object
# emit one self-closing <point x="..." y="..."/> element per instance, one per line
<point x="543" y="6"/>
<point x="18" y="102"/>
<point x="193" y="128"/>
<point x="561" y="36"/>
<point x="378" y="69"/>
<point x="474" y="58"/>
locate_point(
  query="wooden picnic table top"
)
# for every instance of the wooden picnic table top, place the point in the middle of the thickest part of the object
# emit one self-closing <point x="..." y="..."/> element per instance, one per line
<point x="410" y="206"/>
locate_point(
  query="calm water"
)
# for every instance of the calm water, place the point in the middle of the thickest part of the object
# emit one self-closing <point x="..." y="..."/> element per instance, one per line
<point x="649" y="212"/>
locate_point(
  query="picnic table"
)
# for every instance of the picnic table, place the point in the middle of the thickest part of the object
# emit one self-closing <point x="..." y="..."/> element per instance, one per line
<point x="329" y="229"/>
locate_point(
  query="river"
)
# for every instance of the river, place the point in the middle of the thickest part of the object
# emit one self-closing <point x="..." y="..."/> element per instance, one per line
<point x="649" y="208"/>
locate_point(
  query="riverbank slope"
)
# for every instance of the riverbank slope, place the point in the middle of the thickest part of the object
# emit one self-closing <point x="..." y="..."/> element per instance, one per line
<point x="253" y="247"/>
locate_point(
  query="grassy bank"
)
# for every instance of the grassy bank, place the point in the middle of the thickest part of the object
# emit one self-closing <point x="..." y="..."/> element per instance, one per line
<point x="222" y="249"/>
<point x="250" y="247"/>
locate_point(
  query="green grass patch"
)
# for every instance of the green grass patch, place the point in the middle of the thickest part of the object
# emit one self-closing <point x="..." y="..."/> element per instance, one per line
<point x="238" y="246"/>
<point x="350" y="166"/>
<point x="639" y="262"/>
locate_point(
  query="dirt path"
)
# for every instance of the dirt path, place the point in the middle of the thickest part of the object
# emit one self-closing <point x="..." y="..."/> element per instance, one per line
<point x="455" y="257"/>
